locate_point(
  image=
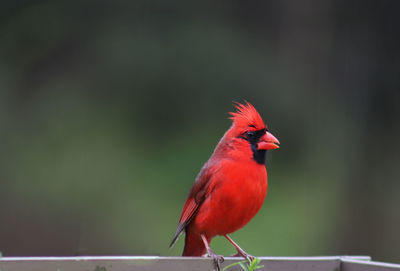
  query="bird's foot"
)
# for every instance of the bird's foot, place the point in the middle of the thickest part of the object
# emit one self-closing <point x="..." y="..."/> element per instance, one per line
<point x="244" y="254"/>
<point x="218" y="259"/>
<point x="240" y="251"/>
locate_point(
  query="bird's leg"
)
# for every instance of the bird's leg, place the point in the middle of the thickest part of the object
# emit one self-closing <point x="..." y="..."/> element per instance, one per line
<point x="218" y="259"/>
<point x="240" y="251"/>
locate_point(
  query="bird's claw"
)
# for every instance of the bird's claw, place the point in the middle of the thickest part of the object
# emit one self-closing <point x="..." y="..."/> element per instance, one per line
<point x="244" y="255"/>
<point x="218" y="259"/>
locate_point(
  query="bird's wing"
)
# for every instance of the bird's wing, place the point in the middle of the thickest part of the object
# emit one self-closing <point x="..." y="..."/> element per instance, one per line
<point x="198" y="193"/>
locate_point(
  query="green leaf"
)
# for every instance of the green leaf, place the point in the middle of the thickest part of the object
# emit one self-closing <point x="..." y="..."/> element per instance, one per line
<point x="243" y="266"/>
<point x="249" y="265"/>
<point x="254" y="264"/>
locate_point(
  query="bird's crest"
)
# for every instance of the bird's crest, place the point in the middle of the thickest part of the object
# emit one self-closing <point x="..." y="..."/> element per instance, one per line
<point x="246" y="116"/>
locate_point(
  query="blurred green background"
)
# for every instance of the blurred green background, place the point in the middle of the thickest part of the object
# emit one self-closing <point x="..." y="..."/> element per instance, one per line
<point x="108" y="109"/>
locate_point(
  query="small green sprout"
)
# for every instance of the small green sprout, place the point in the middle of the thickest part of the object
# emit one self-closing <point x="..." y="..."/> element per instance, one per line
<point x="249" y="265"/>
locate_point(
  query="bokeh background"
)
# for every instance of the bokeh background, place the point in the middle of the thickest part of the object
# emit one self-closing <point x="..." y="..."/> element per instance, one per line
<point x="108" y="109"/>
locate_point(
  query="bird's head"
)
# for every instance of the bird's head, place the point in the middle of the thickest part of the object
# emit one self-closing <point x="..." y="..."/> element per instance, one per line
<point x="249" y="132"/>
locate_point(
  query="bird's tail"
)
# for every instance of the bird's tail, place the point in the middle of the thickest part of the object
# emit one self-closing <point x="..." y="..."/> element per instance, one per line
<point x="194" y="245"/>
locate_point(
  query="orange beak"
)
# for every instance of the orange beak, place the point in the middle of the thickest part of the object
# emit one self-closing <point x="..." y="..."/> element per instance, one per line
<point x="268" y="142"/>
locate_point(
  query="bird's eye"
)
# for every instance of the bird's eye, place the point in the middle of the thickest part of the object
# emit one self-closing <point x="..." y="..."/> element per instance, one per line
<point x="250" y="134"/>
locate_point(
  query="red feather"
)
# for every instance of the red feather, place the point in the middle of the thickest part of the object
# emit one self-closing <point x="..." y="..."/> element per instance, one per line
<point x="246" y="115"/>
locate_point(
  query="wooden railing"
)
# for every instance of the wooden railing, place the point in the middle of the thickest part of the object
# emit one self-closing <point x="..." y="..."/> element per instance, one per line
<point x="147" y="263"/>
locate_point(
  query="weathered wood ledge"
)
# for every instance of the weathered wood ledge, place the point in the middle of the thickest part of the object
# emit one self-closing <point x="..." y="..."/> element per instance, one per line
<point x="155" y="263"/>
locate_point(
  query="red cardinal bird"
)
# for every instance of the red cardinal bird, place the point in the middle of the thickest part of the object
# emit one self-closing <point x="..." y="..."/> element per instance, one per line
<point x="231" y="186"/>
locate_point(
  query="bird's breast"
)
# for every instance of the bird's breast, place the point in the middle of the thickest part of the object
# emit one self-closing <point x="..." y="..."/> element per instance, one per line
<point x="238" y="194"/>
